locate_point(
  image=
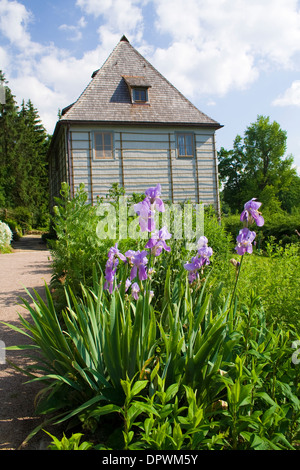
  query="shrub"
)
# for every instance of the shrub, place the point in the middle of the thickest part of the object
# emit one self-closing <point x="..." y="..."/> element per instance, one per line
<point x="5" y="236"/>
<point x="76" y="250"/>
<point x="23" y="217"/>
<point x="15" y="228"/>
<point x="280" y="227"/>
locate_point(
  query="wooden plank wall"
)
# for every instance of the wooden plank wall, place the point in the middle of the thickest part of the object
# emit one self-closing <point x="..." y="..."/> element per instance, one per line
<point x="143" y="158"/>
<point x="58" y="170"/>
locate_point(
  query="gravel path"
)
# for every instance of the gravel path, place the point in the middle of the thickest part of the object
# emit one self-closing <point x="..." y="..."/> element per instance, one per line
<point x="28" y="267"/>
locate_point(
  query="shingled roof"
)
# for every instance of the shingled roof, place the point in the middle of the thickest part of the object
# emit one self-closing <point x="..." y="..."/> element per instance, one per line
<point x="107" y="98"/>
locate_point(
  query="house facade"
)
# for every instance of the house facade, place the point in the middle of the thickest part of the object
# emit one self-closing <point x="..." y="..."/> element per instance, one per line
<point x="131" y="126"/>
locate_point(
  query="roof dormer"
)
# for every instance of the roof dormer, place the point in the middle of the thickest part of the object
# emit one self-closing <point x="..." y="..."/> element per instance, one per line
<point x="138" y="88"/>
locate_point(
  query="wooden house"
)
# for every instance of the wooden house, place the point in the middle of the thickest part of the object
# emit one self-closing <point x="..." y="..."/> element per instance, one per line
<point x="131" y="126"/>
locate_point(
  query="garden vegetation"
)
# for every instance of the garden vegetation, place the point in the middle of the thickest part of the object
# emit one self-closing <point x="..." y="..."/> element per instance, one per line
<point x="143" y="344"/>
<point x="24" y="182"/>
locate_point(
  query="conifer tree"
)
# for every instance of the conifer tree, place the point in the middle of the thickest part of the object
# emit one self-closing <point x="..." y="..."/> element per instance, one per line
<point x="34" y="142"/>
<point x="23" y="157"/>
<point x="9" y="131"/>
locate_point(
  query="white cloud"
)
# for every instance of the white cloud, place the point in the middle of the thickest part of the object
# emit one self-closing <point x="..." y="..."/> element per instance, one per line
<point x="75" y="29"/>
<point x="208" y="70"/>
<point x="118" y="16"/>
<point x="56" y="80"/>
<point x="223" y="45"/>
<point x="30" y="87"/>
<point x="212" y="48"/>
<point x="14" y="21"/>
<point x="291" y="97"/>
<point x="66" y="74"/>
<point x="51" y="77"/>
<point x="4" y="59"/>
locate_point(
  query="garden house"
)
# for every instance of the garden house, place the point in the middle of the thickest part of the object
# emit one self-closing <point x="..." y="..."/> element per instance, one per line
<point x="133" y="127"/>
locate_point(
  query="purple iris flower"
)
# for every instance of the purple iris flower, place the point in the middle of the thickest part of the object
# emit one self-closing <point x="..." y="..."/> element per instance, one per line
<point x="127" y="284"/>
<point x="197" y="262"/>
<point x="146" y="215"/>
<point x="135" y="290"/>
<point x="146" y="209"/>
<point x="193" y="268"/>
<point x="114" y="253"/>
<point x="250" y="213"/>
<point x="130" y="254"/>
<point x="111" y="267"/>
<point x="110" y="272"/>
<point x="155" y="201"/>
<point x="157" y="241"/>
<point x="244" y="241"/>
<point x="202" y="242"/>
<point x="138" y="261"/>
<point x="204" y="251"/>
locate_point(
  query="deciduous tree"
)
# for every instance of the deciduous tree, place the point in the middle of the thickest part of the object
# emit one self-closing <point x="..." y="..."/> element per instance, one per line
<point x="257" y="166"/>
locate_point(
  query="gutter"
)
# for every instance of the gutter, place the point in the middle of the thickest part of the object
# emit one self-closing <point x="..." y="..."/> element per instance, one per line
<point x="211" y="125"/>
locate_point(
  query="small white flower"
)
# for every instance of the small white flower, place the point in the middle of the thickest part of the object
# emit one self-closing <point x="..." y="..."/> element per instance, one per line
<point x="5" y="235"/>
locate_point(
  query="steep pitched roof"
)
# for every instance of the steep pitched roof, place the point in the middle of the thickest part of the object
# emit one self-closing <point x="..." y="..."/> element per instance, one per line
<point x="107" y="98"/>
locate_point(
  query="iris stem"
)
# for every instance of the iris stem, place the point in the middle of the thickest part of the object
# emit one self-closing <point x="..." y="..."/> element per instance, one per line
<point x="236" y="281"/>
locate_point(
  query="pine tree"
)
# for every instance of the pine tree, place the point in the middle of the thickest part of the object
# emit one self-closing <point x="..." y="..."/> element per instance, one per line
<point x="9" y="130"/>
<point x="34" y="142"/>
<point x="23" y="158"/>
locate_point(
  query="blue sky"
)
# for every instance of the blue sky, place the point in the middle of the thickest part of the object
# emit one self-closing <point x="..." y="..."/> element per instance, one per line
<point x="234" y="59"/>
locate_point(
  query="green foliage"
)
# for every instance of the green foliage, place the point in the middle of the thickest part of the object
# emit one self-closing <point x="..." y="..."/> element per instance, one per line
<point x="76" y="248"/>
<point x="257" y="165"/>
<point x="256" y="408"/>
<point x="72" y="443"/>
<point x="158" y="422"/>
<point x="279" y="226"/>
<point x="106" y="339"/>
<point x="194" y="366"/>
<point x="272" y="269"/>
<point x="23" y="164"/>
<point x="276" y="277"/>
<point x="166" y="378"/>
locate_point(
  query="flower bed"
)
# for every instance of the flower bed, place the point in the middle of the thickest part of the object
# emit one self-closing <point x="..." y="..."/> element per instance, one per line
<point x="143" y="360"/>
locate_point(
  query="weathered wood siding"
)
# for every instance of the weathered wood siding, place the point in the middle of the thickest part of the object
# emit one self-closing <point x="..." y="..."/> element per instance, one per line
<point x="58" y="166"/>
<point x="144" y="157"/>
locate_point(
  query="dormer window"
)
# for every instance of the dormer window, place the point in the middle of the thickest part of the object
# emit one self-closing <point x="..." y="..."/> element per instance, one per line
<point x="138" y="88"/>
<point x="140" y="95"/>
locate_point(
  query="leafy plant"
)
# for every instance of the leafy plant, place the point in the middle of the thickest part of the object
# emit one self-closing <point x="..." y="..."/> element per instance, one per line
<point x="157" y="422"/>
<point x="191" y="369"/>
<point x="71" y="443"/>
<point x="76" y="249"/>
